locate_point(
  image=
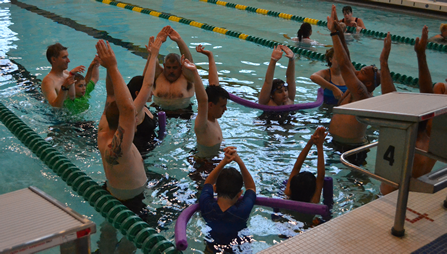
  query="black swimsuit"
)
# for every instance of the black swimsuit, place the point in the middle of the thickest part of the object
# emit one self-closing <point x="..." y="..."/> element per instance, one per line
<point x="145" y="135"/>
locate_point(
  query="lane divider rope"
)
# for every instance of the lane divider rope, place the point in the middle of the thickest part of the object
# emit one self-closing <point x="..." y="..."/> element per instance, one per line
<point x="381" y="35"/>
<point x="397" y="77"/>
<point x="130" y="225"/>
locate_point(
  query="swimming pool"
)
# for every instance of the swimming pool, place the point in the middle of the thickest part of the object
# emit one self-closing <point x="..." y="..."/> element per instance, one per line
<point x="241" y="64"/>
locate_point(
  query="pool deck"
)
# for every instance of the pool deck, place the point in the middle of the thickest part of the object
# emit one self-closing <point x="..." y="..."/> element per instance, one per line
<point x="432" y="5"/>
<point x="368" y="228"/>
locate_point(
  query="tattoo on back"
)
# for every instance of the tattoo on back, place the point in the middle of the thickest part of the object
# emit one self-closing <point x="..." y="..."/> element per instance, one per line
<point x="114" y="152"/>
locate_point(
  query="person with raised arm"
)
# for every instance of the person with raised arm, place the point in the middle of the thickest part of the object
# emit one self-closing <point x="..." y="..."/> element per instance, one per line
<point x="347" y="132"/>
<point x="57" y="85"/>
<point x="172" y="91"/>
<point x="227" y="215"/>
<point x="83" y="87"/>
<point x="349" y="20"/>
<point x="304" y="186"/>
<point x="276" y="92"/>
<point x="140" y="87"/>
<point x="421" y="164"/>
<point x="123" y="164"/>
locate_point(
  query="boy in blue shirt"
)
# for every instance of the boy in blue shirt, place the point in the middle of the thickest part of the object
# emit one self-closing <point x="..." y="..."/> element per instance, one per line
<point x="228" y="215"/>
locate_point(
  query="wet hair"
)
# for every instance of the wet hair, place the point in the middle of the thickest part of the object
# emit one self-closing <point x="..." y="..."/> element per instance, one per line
<point x="329" y="54"/>
<point x="172" y="58"/>
<point x="229" y="183"/>
<point x="347" y="9"/>
<point x="78" y="77"/>
<point x="215" y="93"/>
<point x="303" y="186"/>
<point x="276" y="85"/>
<point x="443" y="27"/>
<point x="135" y="85"/>
<point x="112" y="115"/>
<point x="304" y="31"/>
<point x="54" y="50"/>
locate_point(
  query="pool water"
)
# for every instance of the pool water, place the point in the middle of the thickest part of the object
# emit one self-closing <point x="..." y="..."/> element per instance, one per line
<point x="268" y="148"/>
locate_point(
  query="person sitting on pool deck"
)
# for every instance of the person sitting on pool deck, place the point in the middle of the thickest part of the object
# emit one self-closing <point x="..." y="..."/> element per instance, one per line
<point x="349" y="20"/>
<point x="421" y="164"/>
<point x="330" y="79"/>
<point x="303" y="186"/>
<point x="442" y="37"/>
<point x="123" y="164"/>
<point x="59" y="78"/>
<point x="346" y="131"/>
<point x="228" y="215"/>
<point x="275" y="92"/>
<point x="172" y="91"/>
<point x="83" y="88"/>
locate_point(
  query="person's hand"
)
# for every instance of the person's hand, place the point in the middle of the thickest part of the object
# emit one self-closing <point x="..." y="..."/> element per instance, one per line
<point x="155" y="46"/>
<point x="337" y="93"/>
<point x="164" y="33"/>
<point x="173" y="35"/>
<point x="79" y="69"/>
<point x="330" y="24"/>
<point x="289" y="52"/>
<point x="149" y="44"/>
<point x="201" y="49"/>
<point x="277" y="53"/>
<point x="106" y="54"/>
<point x="421" y="44"/>
<point x="96" y="61"/>
<point x="230" y="154"/>
<point x="386" y="48"/>
<point x="319" y="136"/>
<point x="188" y="68"/>
<point x="68" y="82"/>
<point x="333" y="11"/>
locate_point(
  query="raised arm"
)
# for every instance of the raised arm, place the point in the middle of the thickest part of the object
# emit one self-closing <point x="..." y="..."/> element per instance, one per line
<point x="290" y="73"/>
<point x="229" y="157"/>
<point x="49" y="91"/>
<point x="190" y="71"/>
<point x="385" y="76"/>
<point x="184" y="50"/>
<point x="246" y="176"/>
<point x="318" y="140"/>
<point x="149" y="77"/>
<point x="355" y="86"/>
<point x="163" y="34"/>
<point x="264" y="95"/>
<point x="425" y="82"/>
<point x="334" y="11"/>
<point x="298" y="164"/>
<point x="93" y="71"/>
<point x="213" y="77"/>
<point x="126" y="126"/>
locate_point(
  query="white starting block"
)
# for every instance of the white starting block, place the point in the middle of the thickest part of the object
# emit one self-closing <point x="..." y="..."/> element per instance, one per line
<point x="31" y="221"/>
<point x="398" y="116"/>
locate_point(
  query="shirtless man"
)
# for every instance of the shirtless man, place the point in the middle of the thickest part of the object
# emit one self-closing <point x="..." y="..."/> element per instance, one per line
<point x="212" y="103"/>
<point x="421" y="164"/>
<point x="123" y="164"/>
<point x="59" y="78"/>
<point x="172" y="91"/>
<point x="345" y="129"/>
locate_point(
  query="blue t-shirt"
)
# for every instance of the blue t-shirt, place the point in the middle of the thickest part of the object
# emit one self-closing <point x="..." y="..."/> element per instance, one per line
<point x="225" y="225"/>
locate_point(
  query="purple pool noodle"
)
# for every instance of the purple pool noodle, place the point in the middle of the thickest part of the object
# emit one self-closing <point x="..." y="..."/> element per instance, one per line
<point x="328" y="192"/>
<point x="180" y="226"/>
<point x="292" y="107"/>
<point x="302" y="207"/>
<point x="161" y="124"/>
